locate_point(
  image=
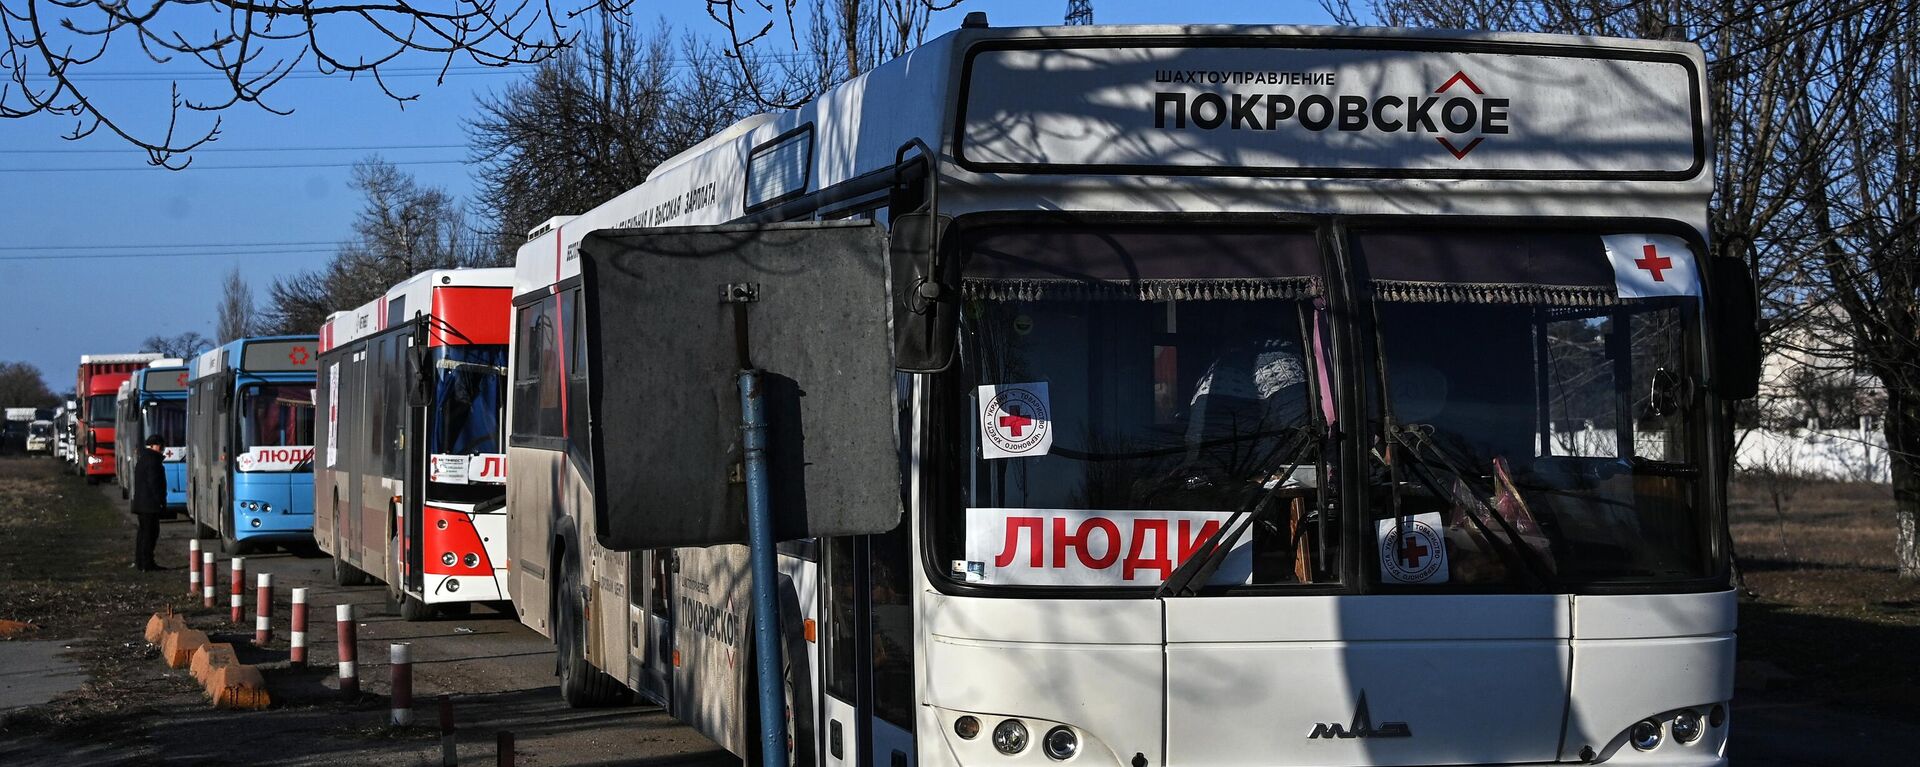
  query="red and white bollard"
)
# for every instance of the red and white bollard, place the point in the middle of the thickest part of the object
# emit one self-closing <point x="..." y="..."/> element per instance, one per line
<point x="239" y="589"/>
<point x="263" y="610"/>
<point x="206" y="579"/>
<point x="193" y="567"/>
<point x="400" y="656"/>
<point x="343" y="631"/>
<point x="297" y="633"/>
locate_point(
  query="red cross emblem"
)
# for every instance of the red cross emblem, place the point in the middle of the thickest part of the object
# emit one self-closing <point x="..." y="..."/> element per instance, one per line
<point x="1412" y="554"/>
<point x="1653" y="262"/>
<point x="298" y="356"/>
<point x="182" y="380"/>
<point x="1014" y="421"/>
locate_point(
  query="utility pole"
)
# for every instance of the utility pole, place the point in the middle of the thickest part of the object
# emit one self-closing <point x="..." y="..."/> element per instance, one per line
<point x="1079" y="12"/>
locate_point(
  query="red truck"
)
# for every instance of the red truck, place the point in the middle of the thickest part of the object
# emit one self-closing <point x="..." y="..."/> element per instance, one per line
<point x="97" y="387"/>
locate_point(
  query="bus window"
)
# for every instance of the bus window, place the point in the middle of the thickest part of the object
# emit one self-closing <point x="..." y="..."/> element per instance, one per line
<point x="537" y="384"/>
<point x="890" y="588"/>
<point x="842" y="619"/>
<point x="168" y="419"/>
<point x="276" y="415"/>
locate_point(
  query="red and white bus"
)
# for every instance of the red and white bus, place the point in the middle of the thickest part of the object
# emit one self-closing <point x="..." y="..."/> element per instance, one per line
<point x="409" y="471"/>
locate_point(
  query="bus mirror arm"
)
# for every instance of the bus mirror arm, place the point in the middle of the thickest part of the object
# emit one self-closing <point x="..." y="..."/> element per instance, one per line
<point x="922" y="273"/>
<point x="1734" y="313"/>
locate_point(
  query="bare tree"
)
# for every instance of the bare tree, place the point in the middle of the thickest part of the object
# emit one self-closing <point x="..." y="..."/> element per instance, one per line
<point x="787" y="53"/>
<point x="593" y="122"/>
<point x="224" y="53"/>
<point x="236" y="318"/>
<point x="1864" y="198"/>
<point x="403" y="228"/>
<point x="21" y="385"/>
<point x="184" y="346"/>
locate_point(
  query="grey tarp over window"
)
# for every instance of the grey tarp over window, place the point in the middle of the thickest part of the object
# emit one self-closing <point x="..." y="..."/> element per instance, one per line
<point x="663" y="351"/>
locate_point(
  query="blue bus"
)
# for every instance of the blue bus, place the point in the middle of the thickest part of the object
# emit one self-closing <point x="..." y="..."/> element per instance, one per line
<point x="154" y="402"/>
<point x="250" y="442"/>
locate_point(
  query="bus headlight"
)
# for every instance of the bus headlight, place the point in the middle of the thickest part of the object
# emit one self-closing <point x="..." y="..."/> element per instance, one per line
<point x="1010" y="737"/>
<point x="1061" y="744"/>
<point x="1645" y="735"/>
<point x="967" y="727"/>
<point x="448" y="559"/>
<point x="470" y="560"/>
<point x="1686" y="727"/>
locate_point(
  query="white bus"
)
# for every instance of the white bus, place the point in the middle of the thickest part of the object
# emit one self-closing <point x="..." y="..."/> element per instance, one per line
<point x="1267" y="396"/>
<point x="409" y="477"/>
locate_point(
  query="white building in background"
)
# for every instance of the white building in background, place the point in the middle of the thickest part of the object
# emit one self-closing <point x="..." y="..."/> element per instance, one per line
<point x="1820" y="408"/>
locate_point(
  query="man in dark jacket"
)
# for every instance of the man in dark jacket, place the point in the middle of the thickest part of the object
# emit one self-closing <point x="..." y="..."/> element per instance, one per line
<point x="149" y="501"/>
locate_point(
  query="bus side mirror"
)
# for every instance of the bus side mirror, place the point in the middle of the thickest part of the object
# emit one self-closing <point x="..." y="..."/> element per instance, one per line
<point x="926" y="293"/>
<point x="1735" y="317"/>
<point x="419" y="370"/>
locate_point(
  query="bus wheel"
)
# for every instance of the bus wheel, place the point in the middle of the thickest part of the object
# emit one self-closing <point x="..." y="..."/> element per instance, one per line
<point x="123" y="492"/>
<point x="755" y="755"/>
<point x="413" y="609"/>
<point x="582" y="685"/>
<point x="234" y="547"/>
<point x="347" y="575"/>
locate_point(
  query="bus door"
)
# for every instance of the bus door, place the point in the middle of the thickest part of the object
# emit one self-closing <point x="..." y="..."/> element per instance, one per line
<point x="413" y="479"/>
<point x="650" y="623"/>
<point x="867" y="720"/>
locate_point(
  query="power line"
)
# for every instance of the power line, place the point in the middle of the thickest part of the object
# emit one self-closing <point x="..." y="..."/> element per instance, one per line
<point x="174" y="246"/>
<point x="245" y="149"/>
<point x="99" y="256"/>
<point x="226" y="167"/>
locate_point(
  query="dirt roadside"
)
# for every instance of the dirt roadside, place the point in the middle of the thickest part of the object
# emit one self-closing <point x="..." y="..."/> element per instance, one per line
<point x="64" y="549"/>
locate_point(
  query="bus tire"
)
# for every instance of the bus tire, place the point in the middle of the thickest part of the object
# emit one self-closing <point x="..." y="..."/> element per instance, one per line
<point x="347" y="575"/>
<point x="581" y="685"/>
<point x="413" y="609"/>
<point x="797" y="740"/>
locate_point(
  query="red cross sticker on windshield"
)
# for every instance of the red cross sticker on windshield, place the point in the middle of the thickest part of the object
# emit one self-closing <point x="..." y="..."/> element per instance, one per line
<point x="1412" y="554"/>
<point x="298" y="356"/>
<point x="182" y="379"/>
<point x="1653" y="262"/>
<point x="1014" y="421"/>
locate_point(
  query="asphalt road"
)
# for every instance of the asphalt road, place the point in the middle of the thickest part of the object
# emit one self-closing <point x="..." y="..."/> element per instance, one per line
<point x="497" y="674"/>
<point x="499" y="677"/>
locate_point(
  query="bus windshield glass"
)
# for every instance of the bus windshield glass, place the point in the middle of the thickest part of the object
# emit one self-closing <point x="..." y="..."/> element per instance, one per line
<point x="101" y="409"/>
<point x="167" y="418"/>
<point x="1542" y="428"/>
<point x="276" y="415"/>
<point x="469" y="400"/>
<point x="1120" y="393"/>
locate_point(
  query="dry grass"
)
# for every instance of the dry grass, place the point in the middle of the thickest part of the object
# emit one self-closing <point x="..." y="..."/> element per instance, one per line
<point x="64" y="549"/>
<point x="1825" y="603"/>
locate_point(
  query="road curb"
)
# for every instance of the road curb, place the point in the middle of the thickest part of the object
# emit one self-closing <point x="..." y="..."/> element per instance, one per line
<point x="227" y="682"/>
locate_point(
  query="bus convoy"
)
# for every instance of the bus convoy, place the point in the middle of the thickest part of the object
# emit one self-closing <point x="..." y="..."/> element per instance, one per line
<point x="1138" y="396"/>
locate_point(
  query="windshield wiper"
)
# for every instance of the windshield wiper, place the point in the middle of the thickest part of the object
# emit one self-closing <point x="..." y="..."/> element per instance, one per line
<point x="1212" y="550"/>
<point x="1510" y="546"/>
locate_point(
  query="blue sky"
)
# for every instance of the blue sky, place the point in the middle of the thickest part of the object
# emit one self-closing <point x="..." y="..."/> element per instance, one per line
<point x="65" y="203"/>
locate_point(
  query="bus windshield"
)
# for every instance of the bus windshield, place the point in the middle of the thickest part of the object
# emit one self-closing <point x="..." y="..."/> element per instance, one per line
<point x="469" y="400"/>
<point x="1112" y="424"/>
<point x="276" y="415"/>
<point x="167" y="418"/>
<point x="1549" y="435"/>
<point x="101" y="409"/>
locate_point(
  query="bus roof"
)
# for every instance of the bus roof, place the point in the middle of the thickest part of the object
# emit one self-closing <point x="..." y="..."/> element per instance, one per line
<point x="1208" y="119"/>
<point x="415" y="296"/>
<point x="260" y="355"/>
<point x="114" y="359"/>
